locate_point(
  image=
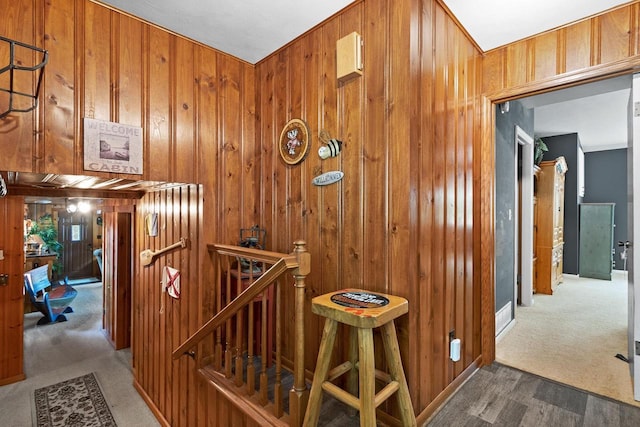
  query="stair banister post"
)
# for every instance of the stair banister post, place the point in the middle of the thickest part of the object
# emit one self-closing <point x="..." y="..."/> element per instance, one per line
<point x="299" y="395"/>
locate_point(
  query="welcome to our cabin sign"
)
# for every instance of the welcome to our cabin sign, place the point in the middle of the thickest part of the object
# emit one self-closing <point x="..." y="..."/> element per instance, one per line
<point x="112" y="147"/>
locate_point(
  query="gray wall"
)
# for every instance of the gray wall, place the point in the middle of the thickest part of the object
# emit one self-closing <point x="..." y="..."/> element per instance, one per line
<point x="505" y="197"/>
<point x="605" y="181"/>
<point x="567" y="146"/>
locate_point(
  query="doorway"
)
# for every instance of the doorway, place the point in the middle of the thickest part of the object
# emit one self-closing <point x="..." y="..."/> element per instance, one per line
<point x="531" y="102"/>
<point x="75" y="232"/>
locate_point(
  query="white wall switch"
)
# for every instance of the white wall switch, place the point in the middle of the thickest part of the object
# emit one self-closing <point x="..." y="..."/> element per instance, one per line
<point x="454" y="350"/>
<point x="1" y="254"/>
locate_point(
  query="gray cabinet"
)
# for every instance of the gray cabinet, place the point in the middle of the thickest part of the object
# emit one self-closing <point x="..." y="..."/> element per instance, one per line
<point x="596" y="240"/>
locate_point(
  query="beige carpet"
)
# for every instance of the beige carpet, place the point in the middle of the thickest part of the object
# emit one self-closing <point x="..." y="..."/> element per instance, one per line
<point x="573" y="336"/>
<point x="61" y="351"/>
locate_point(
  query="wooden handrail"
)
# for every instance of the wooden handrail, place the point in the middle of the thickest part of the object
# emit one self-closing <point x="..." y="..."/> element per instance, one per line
<point x="248" y="295"/>
<point x="298" y="263"/>
<point x="254" y="254"/>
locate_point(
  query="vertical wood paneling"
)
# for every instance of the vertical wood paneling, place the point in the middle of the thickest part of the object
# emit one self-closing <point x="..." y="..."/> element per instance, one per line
<point x="545" y="56"/>
<point x="16" y="141"/>
<point x="609" y="39"/>
<point x="11" y="294"/>
<point x="614" y="35"/>
<point x="375" y="146"/>
<point x="184" y="144"/>
<point x="438" y="237"/>
<point x="401" y="220"/>
<point x="494" y="64"/>
<point x="420" y="384"/>
<point x="517" y="55"/>
<point x="159" y="106"/>
<point x="58" y="99"/>
<point x="577" y="39"/>
<point x="129" y="84"/>
<point x="96" y="85"/>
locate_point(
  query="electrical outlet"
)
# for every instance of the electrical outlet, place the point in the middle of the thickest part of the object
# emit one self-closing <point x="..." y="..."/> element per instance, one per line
<point x="454" y="350"/>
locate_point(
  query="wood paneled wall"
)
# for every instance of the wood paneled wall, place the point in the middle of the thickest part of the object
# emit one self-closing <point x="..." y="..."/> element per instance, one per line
<point x="401" y="219"/>
<point x="160" y="322"/>
<point x="411" y="217"/>
<point x="11" y="293"/>
<point x="608" y="43"/>
<point x="189" y="99"/>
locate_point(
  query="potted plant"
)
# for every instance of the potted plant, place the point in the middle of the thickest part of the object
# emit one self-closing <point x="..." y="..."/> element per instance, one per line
<point x="46" y="229"/>
<point x="539" y="148"/>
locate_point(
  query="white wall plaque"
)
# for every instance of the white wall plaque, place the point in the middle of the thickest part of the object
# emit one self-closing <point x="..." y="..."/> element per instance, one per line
<point x="112" y="147"/>
<point x="328" y="178"/>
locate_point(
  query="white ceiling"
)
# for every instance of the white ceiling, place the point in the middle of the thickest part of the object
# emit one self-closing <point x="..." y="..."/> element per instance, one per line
<point x="248" y="29"/>
<point x="494" y="23"/>
<point x="253" y="29"/>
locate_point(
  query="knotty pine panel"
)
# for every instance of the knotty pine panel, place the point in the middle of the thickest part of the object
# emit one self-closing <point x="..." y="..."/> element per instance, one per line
<point x="184" y="139"/>
<point x="419" y="385"/>
<point x="128" y="70"/>
<point x="158" y="162"/>
<point x="17" y="130"/>
<point x="97" y="67"/>
<point x="401" y="220"/>
<point x="615" y="35"/>
<point x="11" y="294"/>
<point x="58" y="96"/>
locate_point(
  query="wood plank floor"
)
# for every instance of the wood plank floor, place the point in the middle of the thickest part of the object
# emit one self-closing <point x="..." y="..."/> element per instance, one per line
<point x="498" y="395"/>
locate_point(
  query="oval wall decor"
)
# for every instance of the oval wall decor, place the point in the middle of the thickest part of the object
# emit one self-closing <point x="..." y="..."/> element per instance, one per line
<point x="328" y="178"/>
<point x="294" y="141"/>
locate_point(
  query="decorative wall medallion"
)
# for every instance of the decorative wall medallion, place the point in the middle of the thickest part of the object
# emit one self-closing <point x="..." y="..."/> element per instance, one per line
<point x="328" y="178"/>
<point x="294" y="141"/>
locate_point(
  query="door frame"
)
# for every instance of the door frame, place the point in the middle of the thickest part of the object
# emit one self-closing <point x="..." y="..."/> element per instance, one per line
<point x="524" y="211"/>
<point x="633" y="298"/>
<point x="486" y="177"/>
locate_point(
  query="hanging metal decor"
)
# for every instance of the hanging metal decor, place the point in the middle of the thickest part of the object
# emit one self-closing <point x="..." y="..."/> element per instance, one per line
<point x="294" y="141"/>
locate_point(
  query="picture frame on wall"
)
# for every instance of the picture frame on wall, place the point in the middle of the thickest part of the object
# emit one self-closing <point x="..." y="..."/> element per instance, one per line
<point x="294" y="141"/>
<point x="112" y="147"/>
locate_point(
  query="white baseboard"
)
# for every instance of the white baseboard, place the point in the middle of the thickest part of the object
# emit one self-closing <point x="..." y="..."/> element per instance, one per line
<point x="503" y="317"/>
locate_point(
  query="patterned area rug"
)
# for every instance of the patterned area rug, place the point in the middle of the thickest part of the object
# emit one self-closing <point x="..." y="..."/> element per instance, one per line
<point x="77" y="402"/>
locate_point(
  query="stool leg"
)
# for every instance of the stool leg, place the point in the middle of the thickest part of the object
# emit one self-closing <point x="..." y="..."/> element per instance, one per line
<point x="352" y="375"/>
<point x="392" y="352"/>
<point x="322" y="367"/>
<point x="367" y="377"/>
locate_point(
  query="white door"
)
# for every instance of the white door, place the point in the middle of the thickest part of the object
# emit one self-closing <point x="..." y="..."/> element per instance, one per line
<point x="633" y="172"/>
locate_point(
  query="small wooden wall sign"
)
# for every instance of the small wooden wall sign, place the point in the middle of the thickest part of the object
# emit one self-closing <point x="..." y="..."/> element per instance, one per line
<point x="328" y="178"/>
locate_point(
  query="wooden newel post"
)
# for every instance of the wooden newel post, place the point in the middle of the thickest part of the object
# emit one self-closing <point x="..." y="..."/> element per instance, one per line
<point x="299" y="395"/>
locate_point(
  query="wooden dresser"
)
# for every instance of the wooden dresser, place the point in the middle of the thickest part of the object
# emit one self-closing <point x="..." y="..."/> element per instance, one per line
<point x="549" y="227"/>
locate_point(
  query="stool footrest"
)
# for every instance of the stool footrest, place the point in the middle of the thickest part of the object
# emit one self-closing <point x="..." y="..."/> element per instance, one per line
<point x="354" y="402"/>
<point x="341" y="395"/>
<point x="339" y="370"/>
<point x="386" y="393"/>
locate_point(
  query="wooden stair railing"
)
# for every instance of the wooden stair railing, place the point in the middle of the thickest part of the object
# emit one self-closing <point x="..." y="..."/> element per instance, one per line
<point x="228" y="322"/>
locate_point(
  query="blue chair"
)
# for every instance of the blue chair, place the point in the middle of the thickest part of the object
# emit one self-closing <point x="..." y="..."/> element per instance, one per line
<point x="51" y="300"/>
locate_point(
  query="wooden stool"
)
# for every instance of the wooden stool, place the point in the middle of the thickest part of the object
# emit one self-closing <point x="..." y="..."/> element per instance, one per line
<point x="363" y="311"/>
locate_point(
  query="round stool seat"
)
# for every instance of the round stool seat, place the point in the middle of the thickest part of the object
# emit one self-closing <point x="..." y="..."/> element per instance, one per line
<point x="359" y="308"/>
